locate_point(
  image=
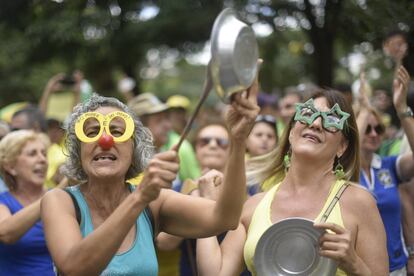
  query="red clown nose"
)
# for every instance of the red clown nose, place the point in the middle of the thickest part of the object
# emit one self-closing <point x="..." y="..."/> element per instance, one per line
<point x="106" y="141"/>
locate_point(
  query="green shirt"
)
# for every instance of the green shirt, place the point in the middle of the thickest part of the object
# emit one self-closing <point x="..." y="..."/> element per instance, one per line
<point x="189" y="167"/>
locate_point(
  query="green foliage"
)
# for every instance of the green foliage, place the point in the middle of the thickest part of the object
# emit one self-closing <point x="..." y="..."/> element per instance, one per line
<point x="107" y="38"/>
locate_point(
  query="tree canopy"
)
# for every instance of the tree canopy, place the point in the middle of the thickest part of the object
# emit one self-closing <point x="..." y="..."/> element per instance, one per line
<point x="151" y="41"/>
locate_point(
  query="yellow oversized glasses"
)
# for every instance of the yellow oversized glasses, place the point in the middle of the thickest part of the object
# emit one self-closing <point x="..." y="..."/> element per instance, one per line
<point x="90" y="126"/>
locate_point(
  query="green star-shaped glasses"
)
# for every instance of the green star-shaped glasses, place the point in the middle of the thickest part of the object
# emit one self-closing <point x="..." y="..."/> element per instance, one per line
<point x="332" y="120"/>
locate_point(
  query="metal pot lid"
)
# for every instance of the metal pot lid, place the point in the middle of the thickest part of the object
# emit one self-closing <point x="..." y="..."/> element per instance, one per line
<point x="234" y="52"/>
<point x="290" y="247"/>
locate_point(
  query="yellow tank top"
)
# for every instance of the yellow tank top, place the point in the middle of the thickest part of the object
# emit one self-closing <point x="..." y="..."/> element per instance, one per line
<point x="261" y="221"/>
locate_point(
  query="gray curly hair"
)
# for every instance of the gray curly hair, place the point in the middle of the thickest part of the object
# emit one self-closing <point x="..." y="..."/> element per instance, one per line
<point x="143" y="142"/>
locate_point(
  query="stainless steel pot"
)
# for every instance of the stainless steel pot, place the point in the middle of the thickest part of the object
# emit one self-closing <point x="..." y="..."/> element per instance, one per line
<point x="234" y="55"/>
<point x="233" y="65"/>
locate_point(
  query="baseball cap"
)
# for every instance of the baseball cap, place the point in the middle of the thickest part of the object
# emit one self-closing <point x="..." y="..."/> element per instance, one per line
<point x="178" y="101"/>
<point x="146" y="104"/>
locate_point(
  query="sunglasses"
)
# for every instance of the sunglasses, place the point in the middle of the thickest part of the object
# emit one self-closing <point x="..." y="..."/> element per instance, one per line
<point x="332" y="120"/>
<point x="221" y="142"/>
<point x="266" y="119"/>
<point x="379" y="129"/>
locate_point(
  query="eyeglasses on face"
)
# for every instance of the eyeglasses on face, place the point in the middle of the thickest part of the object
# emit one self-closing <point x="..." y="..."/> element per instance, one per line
<point x="332" y="120"/>
<point x="379" y="129"/>
<point x="221" y="142"/>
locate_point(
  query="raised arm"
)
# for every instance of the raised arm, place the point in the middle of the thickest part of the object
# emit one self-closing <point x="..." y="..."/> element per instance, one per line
<point x="400" y="90"/>
<point x="74" y="255"/>
<point x="196" y="217"/>
<point x="52" y="86"/>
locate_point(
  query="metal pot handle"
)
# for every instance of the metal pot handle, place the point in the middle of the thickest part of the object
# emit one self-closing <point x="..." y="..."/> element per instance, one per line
<point x="208" y="84"/>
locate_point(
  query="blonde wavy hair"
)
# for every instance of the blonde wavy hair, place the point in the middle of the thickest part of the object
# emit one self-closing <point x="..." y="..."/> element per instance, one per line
<point x="11" y="147"/>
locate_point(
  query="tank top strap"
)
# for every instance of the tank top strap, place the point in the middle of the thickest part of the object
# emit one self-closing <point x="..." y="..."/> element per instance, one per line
<point x="86" y="225"/>
<point x="335" y="194"/>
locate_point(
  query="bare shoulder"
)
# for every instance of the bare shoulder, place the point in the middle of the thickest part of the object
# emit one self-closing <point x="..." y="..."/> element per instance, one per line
<point x="57" y="199"/>
<point x="358" y="200"/>
<point x="249" y="207"/>
<point x="358" y="194"/>
<point x="252" y="201"/>
<point x="55" y="194"/>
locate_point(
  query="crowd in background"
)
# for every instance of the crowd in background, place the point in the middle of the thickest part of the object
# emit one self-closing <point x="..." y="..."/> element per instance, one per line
<point x="33" y="151"/>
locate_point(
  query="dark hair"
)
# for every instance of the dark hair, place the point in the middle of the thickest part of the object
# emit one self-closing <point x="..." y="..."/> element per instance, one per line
<point x="395" y="32"/>
<point x="35" y="118"/>
<point x="53" y="123"/>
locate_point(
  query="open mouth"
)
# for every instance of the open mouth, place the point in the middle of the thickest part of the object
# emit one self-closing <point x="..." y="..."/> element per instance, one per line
<point x="312" y="137"/>
<point x="106" y="156"/>
<point x="40" y="171"/>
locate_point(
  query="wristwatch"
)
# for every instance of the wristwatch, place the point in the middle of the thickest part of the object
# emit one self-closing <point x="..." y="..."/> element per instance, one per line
<point x="407" y="113"/>
<point x="410" y="249"/>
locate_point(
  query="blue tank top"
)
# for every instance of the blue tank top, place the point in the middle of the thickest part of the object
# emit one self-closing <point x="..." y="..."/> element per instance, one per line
<point x="384" y="187"/>
<point x="29" y="255"/>
<point x="140" y="259"/>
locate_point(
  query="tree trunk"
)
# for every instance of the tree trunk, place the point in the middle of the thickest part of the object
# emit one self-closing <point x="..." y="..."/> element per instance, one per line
<point x="323" y="58"/>
<point x="322" y="36"/>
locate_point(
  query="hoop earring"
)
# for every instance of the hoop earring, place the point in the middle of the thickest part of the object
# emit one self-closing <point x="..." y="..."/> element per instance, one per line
<point x="339" y="170"/>
<point x="286" y="160"/>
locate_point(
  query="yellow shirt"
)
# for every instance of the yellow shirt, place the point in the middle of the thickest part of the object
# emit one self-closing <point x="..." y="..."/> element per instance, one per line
<point x="55" y="157"/>
<point x="136" y="180"/>
<point x="261" y="221"/>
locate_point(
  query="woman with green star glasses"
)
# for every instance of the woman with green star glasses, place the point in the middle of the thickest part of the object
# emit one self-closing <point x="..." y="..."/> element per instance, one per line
<point x="308" y="173"/>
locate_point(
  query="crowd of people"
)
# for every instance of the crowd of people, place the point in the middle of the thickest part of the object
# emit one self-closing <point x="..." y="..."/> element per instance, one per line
<point x="99" y="187"/>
